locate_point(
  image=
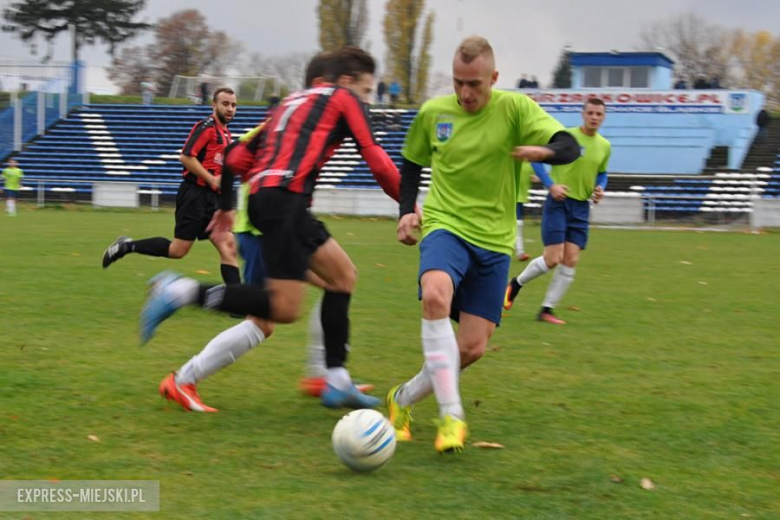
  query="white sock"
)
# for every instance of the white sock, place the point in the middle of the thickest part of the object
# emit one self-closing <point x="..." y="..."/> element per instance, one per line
<point x="519" y="246"/>
<point x="220" y="352"/>
<point x="315" y="350"/>
<point x="536" y="268"/>
<point x="184" y="290"/>
<point x="560" y="283"/>
<point x="338" y="378"/>
<point x="12" y="206"/>
<point x="416" y="389"/>
<point x="442" y="362"/>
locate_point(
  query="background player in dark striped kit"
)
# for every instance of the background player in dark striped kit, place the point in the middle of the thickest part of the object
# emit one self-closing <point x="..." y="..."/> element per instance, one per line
<point x="198" y="198"/>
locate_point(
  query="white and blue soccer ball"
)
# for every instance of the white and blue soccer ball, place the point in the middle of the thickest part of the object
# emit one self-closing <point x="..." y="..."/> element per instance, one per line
<point x="364" y="440"/>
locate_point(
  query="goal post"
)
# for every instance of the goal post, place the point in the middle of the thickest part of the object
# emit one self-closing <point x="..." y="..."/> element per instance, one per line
<point x="247" y="88"/>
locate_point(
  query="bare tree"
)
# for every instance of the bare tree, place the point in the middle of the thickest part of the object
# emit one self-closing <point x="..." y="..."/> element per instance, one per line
<point x="699" y="49"/>
<point x="758" y="59"/>
<point x="289" y="68"/>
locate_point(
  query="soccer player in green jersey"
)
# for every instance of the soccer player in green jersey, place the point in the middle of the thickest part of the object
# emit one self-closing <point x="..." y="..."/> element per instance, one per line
<point x="566" y="211"/>
<point x="524" y="184"/>
<point x="13" y="183"/>
<point x="468" y="139"/>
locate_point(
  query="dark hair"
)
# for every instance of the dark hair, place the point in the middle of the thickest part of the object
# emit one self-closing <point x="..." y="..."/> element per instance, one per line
<point x="594" y="101"/>
<point x="316" y="68"/>
<point x="349" y="61"/>
<point x="219" y="91"/>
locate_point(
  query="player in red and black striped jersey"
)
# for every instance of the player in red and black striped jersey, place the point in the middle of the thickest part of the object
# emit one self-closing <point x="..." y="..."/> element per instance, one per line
<point x="304" y="133"/>
<point x="198" y="198"/>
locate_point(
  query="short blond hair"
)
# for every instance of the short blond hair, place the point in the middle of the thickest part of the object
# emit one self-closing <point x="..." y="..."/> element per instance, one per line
<point x="474" y="46"/>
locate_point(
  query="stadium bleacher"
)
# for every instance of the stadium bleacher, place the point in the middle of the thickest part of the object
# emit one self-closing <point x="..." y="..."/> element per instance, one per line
<point x="141" y="144"/>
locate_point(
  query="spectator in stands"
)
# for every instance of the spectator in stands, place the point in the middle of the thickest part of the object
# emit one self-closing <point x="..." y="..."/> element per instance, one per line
<point x="762" y="121"/>
<point x="13" y="183"/>
<point x="381" y="88"/>
<point x="147" y="92"/>
<point x="468" y="223"/>
<point x="680" y="84"/>
<point x="701" y="83"/>
<point x="273" y="102"/>
<point x="395" y="92"/>
<point x="204" y="93"/>
<point x="715" y="83"/>
<point x="566" y="211"/>
<point x="534" y="82"/>
<point x="523" y="83"/>
<point x="198" y="196"/>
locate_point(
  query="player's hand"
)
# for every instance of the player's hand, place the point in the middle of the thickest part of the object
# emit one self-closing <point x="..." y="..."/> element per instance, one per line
<point x="598" y="194"/>
<point x="215" y="182"/>
<point x="559" y="191"/>
<point x="407" y="229"/>
<point x="221" y="222"/>
<point x="531" y="153"/>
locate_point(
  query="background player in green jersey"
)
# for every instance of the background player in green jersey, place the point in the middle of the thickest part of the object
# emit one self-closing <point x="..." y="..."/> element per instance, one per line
<point x="523" y="185"/>
<point x="468" y="223"/>
<point x="13" y="183"/>
<point x="566" y="211"/>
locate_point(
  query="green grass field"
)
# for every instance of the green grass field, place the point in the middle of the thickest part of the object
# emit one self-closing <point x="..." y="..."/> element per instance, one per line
<point x="668" y="369"/>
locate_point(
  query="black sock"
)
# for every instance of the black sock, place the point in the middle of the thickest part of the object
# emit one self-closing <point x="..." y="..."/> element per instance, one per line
<point x="547" y="310"/>
<point x="243" y="299"/>
<point x="335" y="327"/>
<point x="157" y="246"/>
<point x="230" y="274"/>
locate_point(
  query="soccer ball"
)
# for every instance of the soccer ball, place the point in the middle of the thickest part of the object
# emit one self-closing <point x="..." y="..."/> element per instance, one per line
<point x="364" y="440"/>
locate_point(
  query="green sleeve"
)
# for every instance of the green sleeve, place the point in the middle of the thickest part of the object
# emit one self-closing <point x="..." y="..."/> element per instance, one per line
<point x="417" y="147"/>
<point x="536" y="126"/>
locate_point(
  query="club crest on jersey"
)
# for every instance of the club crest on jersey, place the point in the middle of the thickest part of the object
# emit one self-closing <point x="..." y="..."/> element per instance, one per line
<point x="443" y="131"/>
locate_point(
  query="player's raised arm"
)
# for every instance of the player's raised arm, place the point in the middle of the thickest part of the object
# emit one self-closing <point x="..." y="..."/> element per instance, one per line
<point x="381" y="165"/>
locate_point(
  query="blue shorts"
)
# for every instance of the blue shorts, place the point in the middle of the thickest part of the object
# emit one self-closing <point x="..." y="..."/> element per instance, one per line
<point x="478" y="275"/>
<point x="519" y="211"/>
<point x="565" y="221"/>
<point x="250" y="247"/>
<point x="10" y="194"/>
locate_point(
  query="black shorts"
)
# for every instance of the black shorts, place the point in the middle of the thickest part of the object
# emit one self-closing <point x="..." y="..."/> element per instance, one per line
<point x="290" y="233"/>
<point x="195" y="205"/>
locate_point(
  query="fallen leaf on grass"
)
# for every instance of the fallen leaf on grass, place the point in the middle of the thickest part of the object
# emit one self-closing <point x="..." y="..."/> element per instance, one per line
<point x="702" y="283"/>
<point x="573" y="308"/>
<point x="647" y="484"/>
<point x="75" y="254"/>
<point x="93" y="438"/>
<point x="651" y="299"/>
<point x="477" y="402"/>
<point x="616" y="479"/>
<point x="202" y="271"/>
<point x="685" y="262"/>
<point x="271" y="465"/>
<point x="379" y="265"/>
<point x="494" y="349"/>
<point x="488" y="445"/>
<point x="349" y="234"/>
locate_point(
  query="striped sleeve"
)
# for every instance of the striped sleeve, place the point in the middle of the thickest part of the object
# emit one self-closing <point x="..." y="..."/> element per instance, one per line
<point x="199" y="137"/>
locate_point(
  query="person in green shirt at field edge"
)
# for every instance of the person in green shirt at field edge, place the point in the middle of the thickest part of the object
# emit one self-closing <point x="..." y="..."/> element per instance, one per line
<point x="470" y="139"/>
<point x="13" y="183"/>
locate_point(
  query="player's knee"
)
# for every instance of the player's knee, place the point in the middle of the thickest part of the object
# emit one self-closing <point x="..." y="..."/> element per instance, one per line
<point x="436" y="302"/>
<point x="552" y="258"/>
<point x="176" y="251"/>
<point x="472" y="352"/>
<point x="346" y="280"/>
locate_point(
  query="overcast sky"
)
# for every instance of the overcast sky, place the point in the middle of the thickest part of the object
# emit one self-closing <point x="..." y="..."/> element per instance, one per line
<point x="527" y="35"/>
